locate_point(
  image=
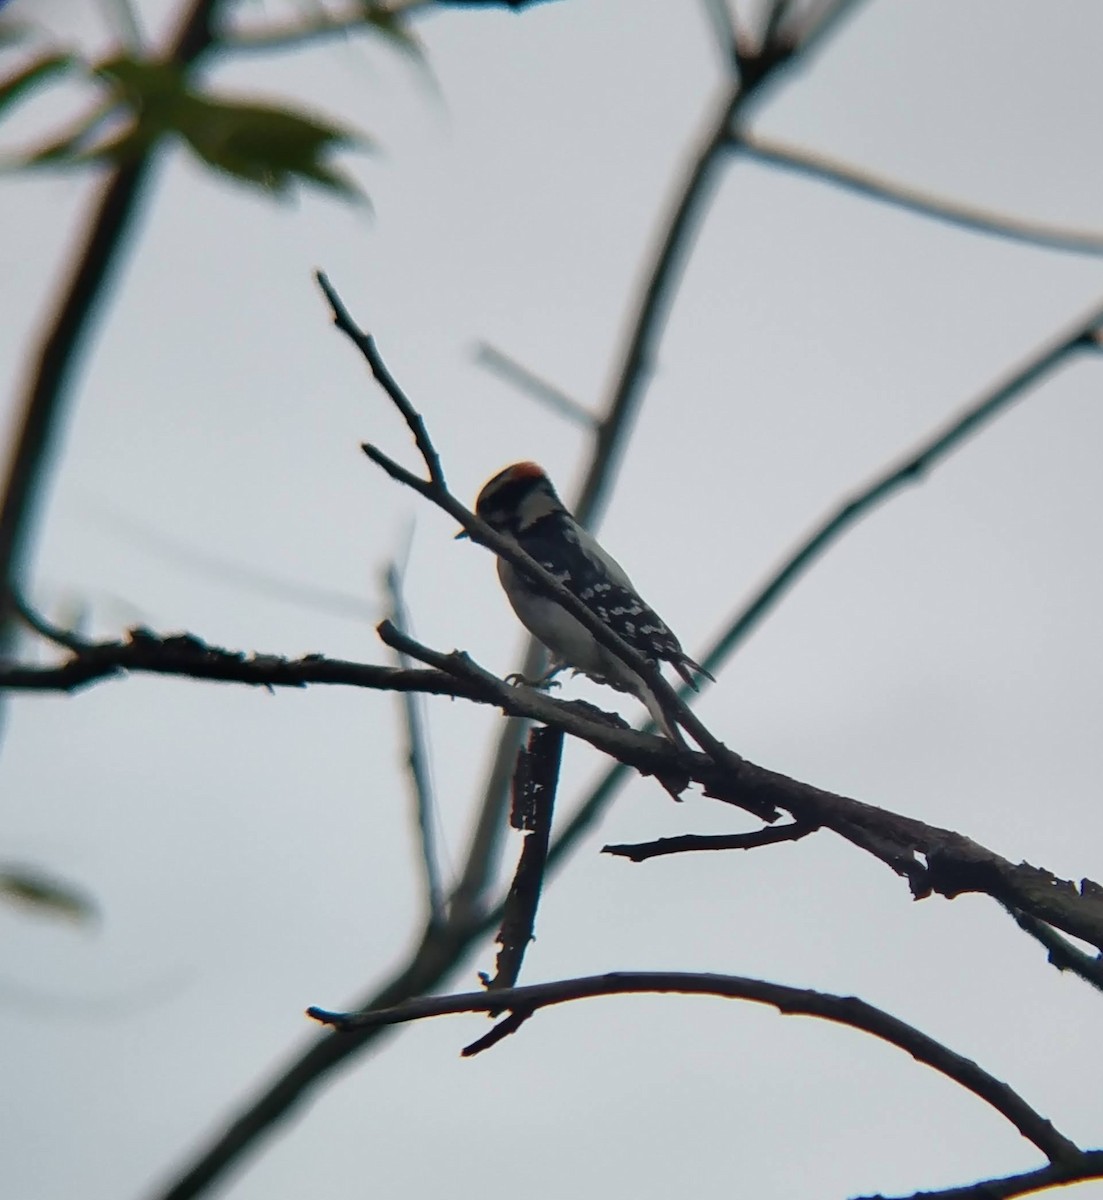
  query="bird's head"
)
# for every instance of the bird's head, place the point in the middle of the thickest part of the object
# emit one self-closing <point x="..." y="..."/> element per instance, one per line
<point x="517" y="498"/>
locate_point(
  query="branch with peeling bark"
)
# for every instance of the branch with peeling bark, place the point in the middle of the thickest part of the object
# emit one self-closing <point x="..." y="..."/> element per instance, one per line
<point x="933" y="860"/>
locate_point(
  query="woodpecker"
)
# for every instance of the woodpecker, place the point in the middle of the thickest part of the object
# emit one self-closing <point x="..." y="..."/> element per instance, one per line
<point x="520" y="503"/>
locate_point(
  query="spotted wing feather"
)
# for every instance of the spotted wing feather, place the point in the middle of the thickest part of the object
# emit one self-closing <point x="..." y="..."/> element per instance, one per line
<point x="608" y="592"/>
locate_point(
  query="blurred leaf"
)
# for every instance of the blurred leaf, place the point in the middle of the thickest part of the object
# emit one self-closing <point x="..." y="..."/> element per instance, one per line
<point x="14" y="86"/>
<point x="266" y="146"/>
<point x="260" y="144"/>
<point x="30" y="888"/>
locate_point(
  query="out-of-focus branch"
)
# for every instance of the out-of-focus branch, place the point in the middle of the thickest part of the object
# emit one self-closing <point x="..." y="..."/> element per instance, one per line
<point x="790" y="1001"/>
<point x="41" y="407"/>
<point x="539" y="389"/>
<point x="418" y="759"/>
<point x="924" y="203"/>
<point x="229" y="570"/>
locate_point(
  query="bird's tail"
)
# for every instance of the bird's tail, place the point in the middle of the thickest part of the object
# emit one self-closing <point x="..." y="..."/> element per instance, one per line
<point x="686" y="667"/>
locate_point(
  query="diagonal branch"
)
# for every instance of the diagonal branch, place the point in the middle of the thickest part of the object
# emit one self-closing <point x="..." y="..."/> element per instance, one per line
<point x="547" y="394"/>
<point x="417" y="755"/>
<point x="365" y="343"/>
<point x="790" y="1001"/>
<point x="924" y="203"/>
<point x="911" y="468"/>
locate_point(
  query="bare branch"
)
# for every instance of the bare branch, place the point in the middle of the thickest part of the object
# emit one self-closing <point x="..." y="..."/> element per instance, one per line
<point x="418" y="758"/>
<point x="229" y="570"/>
<point x="539" y="389"/>
<point x="911" y="468"/>
<point x="772" y="835"/>
<point x="719" y="15"/>
<point x="924" y="203"/>
<point x="933" y="860"/>
<point x="365" y="343"/>
<point x="290" y="35"/>
<point x="1062" y="953"/>
<point x="46" y="629"/>
<point x="790" y="1001"/>
<point x="1089" y="1165"/>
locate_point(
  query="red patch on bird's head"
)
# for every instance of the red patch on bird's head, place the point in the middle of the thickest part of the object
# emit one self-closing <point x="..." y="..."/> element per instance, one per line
<point x="524" y="470"/>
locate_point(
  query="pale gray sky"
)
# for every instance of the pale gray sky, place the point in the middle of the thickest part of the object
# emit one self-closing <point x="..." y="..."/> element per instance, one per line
<point x="253" y="854"/>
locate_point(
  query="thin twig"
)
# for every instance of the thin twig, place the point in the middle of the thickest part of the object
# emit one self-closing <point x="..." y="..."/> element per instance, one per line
<point x="1061" y="952"/>
<point x="229" y="570"/>
<point x="539" y="389"/>
<point x="924" y="203"/>
<point x="291" y="35"/>
<point x="365" y="343"/>
<point x="418" y="757"/>
<point x="67" y="638"/>
<point x="909" y="469"/>
<point x="790" y="1001"/>
<point x="689" y="842"/>
<point x="721" y="20"/>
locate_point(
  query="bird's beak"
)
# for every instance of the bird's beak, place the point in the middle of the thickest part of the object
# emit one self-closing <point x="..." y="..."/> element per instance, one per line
<point x="462" y="534"/>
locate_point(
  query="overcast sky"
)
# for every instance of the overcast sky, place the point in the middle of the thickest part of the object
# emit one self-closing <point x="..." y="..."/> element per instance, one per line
<point x="252" y="854"/>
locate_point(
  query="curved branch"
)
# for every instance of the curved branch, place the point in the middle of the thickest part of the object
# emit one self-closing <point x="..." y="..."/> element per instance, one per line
<point x="974" y="217"/>
<point x="842" y="1010"/>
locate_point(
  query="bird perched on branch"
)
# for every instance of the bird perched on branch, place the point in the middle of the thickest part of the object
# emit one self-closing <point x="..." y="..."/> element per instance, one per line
<point x="521" y="503"/>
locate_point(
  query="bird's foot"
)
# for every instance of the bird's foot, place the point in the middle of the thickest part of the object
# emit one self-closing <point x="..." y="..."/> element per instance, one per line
<point x="542" y="683"/>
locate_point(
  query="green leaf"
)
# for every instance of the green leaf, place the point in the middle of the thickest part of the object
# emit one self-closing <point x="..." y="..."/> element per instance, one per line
<point x="27" y="78"/>
<point x="30" y="888"/>
<point x="266" y="146"/>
